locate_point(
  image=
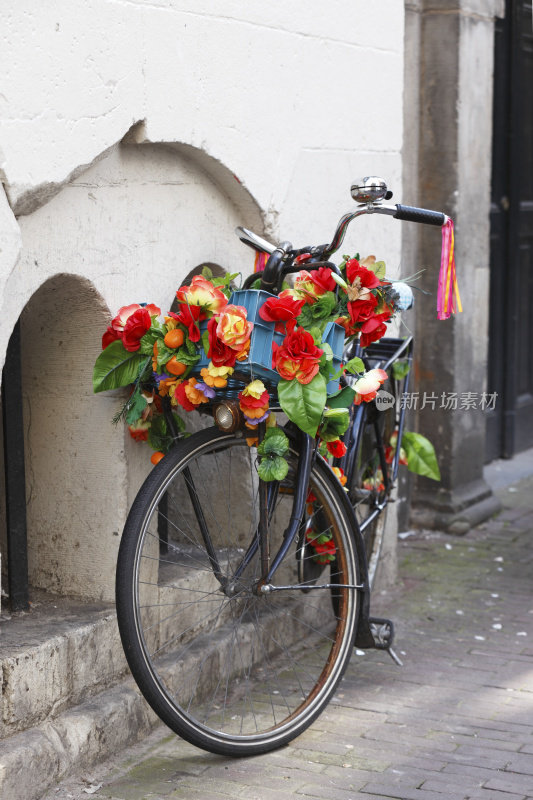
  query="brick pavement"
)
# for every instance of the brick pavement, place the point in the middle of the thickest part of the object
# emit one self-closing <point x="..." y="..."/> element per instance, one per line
<point x="455" y="722"/>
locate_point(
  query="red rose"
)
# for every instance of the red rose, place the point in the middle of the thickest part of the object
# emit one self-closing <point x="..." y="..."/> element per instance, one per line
<point x="374" y="328"/>
<point x="361" y="275"/>
<point x="281" y="309"/>
<point x="361" y="310"/>
<point x="118" y="323"/>
<point x="190" y="316"/>
<point x="136" y="326"/>
<point x="336" y="448"/>
<point x="326" y="548"/>
<point x="322" y="279"/>
<point x="109" y="336"/>
<point x="220" y="354"/>
<point x="297" y="357"/>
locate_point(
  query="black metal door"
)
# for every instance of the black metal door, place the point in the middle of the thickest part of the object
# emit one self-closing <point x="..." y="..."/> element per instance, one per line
<point x="510" y="368"/>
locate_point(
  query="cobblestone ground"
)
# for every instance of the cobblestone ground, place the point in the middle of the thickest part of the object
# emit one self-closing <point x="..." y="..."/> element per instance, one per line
<point x="455" y="722"/>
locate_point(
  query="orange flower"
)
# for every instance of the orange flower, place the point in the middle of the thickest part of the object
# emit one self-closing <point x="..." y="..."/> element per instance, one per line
<point x="233" y="329"/>
<point x="297" y="356"/>
<point x="202" y="293"/>
<point x="255" y="413"/>
<point x="339" y="472"/>
<point x="194" y="396"/>
<point x="165" y="386"/>
<point x="243" y="355"/>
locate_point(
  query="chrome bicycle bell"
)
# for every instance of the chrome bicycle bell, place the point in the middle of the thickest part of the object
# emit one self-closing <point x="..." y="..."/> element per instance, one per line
<point x="369" y="190"/>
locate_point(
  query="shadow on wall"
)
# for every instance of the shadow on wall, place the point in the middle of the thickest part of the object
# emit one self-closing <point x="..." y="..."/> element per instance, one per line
<point x="76" y="482"/>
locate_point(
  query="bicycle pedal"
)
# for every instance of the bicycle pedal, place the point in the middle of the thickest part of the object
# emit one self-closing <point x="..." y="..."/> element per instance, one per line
<point x="382" y="631"/>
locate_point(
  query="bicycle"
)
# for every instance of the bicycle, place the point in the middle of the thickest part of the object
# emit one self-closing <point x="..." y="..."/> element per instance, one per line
<point x="236" y="632"/>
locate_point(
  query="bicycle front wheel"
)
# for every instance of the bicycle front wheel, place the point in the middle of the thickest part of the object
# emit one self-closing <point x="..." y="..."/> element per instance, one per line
<point x="233" y="671"/>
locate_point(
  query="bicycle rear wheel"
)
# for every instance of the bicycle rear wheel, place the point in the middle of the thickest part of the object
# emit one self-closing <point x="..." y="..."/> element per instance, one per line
<point x="243" y="673"/>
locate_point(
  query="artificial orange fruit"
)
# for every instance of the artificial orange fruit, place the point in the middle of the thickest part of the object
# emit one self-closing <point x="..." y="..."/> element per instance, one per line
<point x="174" y="338"/>
<point x="156" y="457"/>
<point x="175" y="367"/>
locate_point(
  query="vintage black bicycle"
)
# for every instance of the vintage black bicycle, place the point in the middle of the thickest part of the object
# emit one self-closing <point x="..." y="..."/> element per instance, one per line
<point x="235" y="633"/>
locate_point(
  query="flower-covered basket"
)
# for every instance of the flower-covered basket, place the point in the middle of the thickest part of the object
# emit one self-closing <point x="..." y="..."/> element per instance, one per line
<point x="258" y="349"/>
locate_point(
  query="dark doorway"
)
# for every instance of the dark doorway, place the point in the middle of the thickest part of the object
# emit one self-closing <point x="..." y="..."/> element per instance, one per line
<point x="510" y="368"/>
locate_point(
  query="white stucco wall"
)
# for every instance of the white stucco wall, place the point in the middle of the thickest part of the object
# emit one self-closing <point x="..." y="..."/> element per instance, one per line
<point x="232" y="113"/>
<point x="295" y="99"/>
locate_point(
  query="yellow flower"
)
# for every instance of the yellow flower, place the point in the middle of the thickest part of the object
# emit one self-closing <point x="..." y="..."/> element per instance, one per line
<point x="219" y="372"/>
<point x="254" y="389"/>
<point x="216" y="376"/>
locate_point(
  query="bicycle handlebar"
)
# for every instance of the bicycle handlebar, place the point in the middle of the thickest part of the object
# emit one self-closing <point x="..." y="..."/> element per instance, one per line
<point x="369" y="190"/>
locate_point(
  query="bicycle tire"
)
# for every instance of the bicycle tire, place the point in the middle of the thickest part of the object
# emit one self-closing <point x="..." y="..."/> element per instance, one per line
<point x="366" y="489"/>
<point x="238" y="675"/>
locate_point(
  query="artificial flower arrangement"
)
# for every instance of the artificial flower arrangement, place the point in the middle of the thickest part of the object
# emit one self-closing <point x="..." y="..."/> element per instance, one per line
<point x="192" y="355"/>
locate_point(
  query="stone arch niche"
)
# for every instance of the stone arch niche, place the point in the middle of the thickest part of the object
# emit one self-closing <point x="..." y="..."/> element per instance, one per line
<point x="128" y="229"/>
<point x="76" y="475"/>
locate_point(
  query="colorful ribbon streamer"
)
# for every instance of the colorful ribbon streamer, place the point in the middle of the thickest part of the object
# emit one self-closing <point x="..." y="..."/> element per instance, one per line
<point x="446" y="303"/>
<point x="260" y="261"/>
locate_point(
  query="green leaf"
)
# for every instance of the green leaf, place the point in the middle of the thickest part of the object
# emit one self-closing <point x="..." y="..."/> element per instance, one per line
<point x="304" y="403"/>
<point x="322" y="309"/>
<point x="159" y="437"/>
<point x="273" y="468"/>
<point x="328" y="352"/>
<point x="334" y="424"/>
<point x="116" y="366"/>
<point x="147" y="341"/>
<point x="400" y="369"/>
<point x="164" y="354"/>
<point x="192" y="347"/>
<point x="317" y="332"/>
<point x="342" y="399"/>
<point x="225" y="279"/>
<point x="135" y="406"/>
<point x="205" y="341"/>
<point x="421" y="457"/>
<point x="275" y="443"/>
<point x="354" y="365"/>
<point x="207" y="273"/>
<point x="186" y="357"/>
<point x="380" y="269"/>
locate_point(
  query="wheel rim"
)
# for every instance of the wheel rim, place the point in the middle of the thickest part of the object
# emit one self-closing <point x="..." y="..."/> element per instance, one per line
<point x="246" y="668"/>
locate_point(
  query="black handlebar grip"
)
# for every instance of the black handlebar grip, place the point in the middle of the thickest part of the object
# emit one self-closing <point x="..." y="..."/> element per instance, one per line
<point x="424" y="215"/>
<point x="274" y="267"/>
